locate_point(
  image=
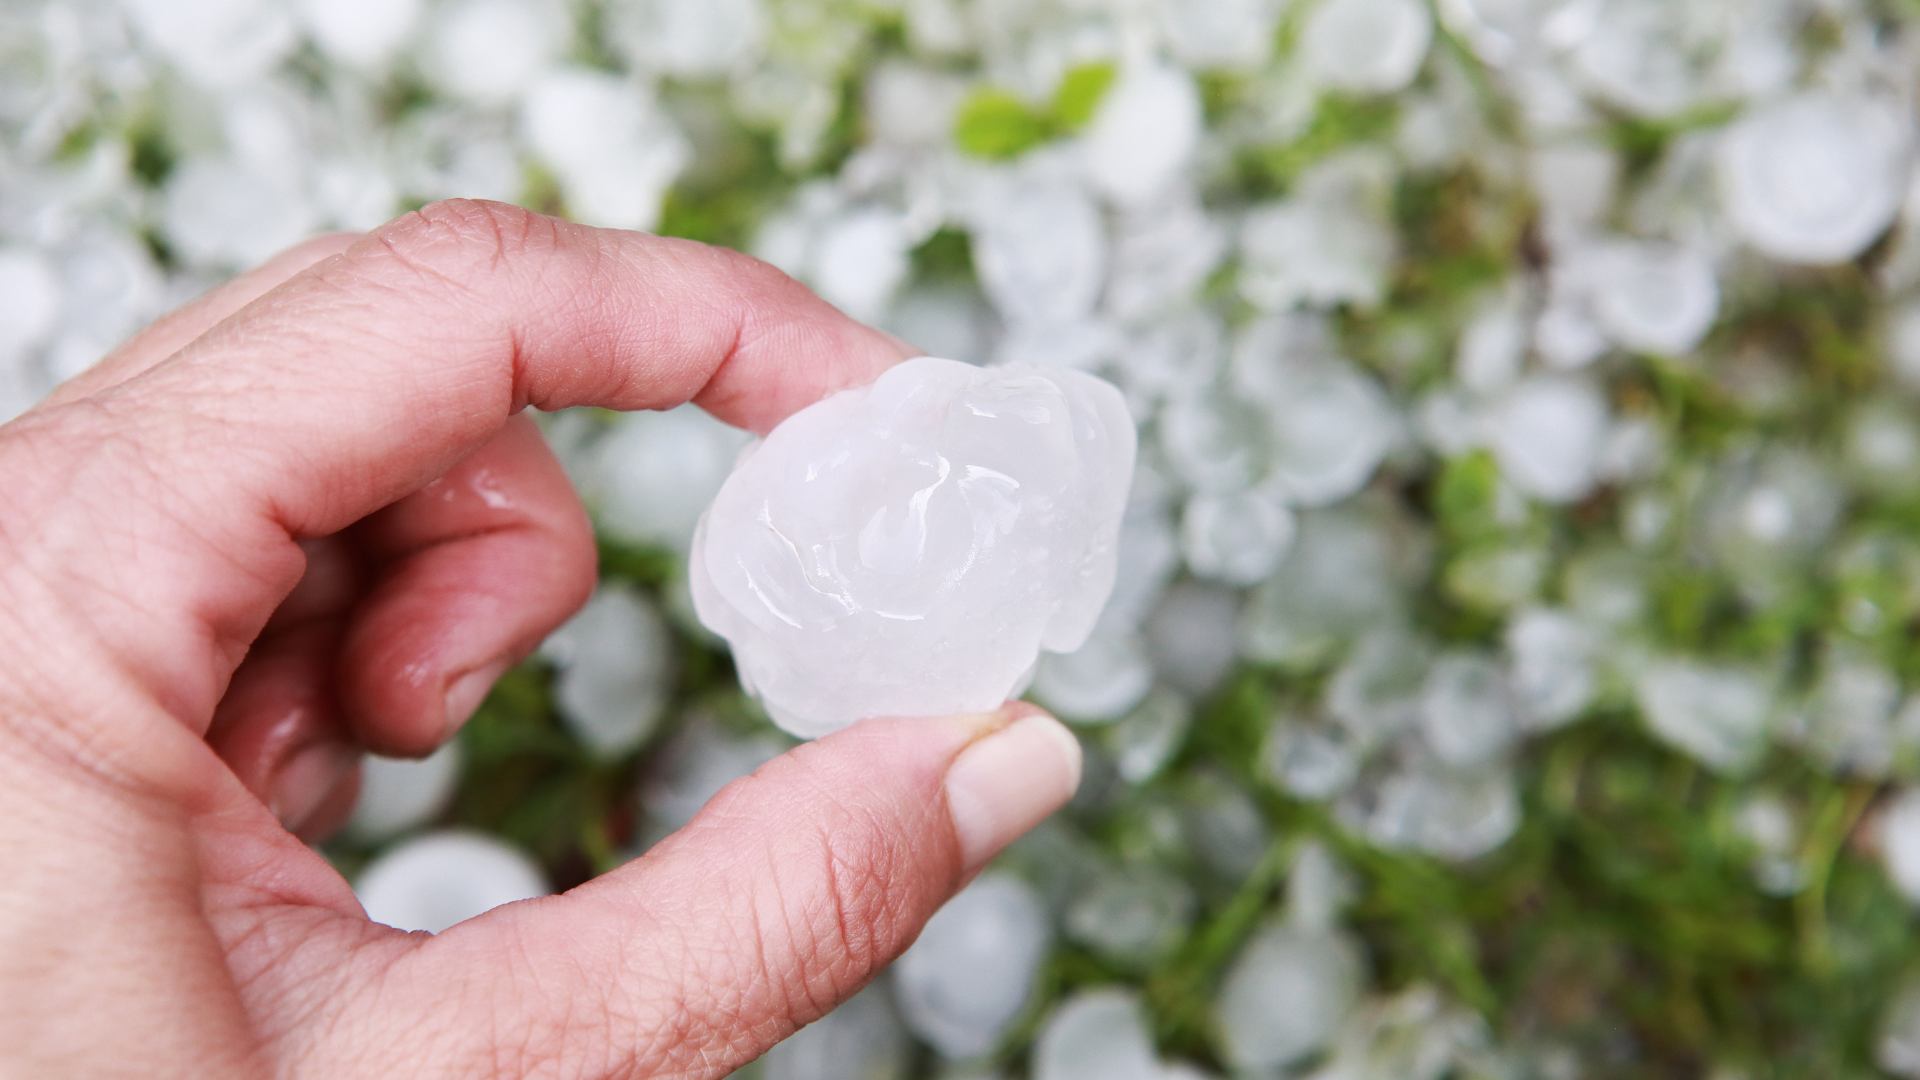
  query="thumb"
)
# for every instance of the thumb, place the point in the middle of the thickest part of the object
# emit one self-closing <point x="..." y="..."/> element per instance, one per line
<point x="782" y="898"/>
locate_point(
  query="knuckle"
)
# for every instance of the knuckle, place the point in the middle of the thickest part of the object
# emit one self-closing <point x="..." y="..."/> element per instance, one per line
<point x="462" y="240"/>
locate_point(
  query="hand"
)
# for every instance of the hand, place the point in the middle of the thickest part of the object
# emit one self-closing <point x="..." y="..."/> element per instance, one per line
<point x="304" y="516"/>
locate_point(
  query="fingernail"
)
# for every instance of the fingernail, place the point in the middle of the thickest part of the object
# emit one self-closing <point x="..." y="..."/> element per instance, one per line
<point x="1009" y="781"/>
<point x="466" y="692"/>
<point x="305" y="781"/>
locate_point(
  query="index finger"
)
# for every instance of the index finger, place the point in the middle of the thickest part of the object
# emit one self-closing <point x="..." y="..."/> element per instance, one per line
<point x="362" y="379"/>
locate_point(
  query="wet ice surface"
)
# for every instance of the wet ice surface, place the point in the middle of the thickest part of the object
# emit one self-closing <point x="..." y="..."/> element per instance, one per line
<point x="909" y="548"/>
<point x="438" y="879"/>
<point x="969" y="974"/>
<point x="397" y="794"/>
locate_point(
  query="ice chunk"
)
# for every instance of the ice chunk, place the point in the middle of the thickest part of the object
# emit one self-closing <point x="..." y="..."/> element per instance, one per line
<point x="1547" y="436"/>
<point x="32" y="307"/>
<point x="1099" y="681"/>
<point x="701" y="759"/>
<point x="860" y="1040"/>
<point x="1236" y="539"/>
<point x="1454" y="815"/>
<point x="1192" y="636"/>
<point x="1375" y="694"/>
<point x="653" y="474"/>
<point x="1575" y="181"/>
<point x="1654" y="298"/>
<point x="1413" y="1035"/>
<point x="1039" y="249"/>
<point x="217" y="43"/>
<point x="908" y="548"/>
<point x="1311" y="761"/>
<point x="1318" y="888"/>
<point x="1635" y="55"/>
<point x="1096" y="1035"/>
<point x="1143" y="133"/>
<point x="970" y="973"/>
<point x="1132" y="916"/>
<point x="1466" y="713"/>
<point x="224" y="214"/>
<point x="1332" y="426"/>
<point x="613" y="149"/>
<point x="1900" y="842"/>
<point x="1286" y="996"/>
<point x="860" y="261"/>
<point x="1493" y="345"/>
<point x="945" y="321"/>
<point x="434" y="881"/>
<point x="1234" y="34"/>
<point x="1336" y="580"/>
<point x="397" y="794"/>
<point x="492" y="51"/>
<point x="1163" y="252"/>
<point x="1850" y="726"/>
<point x="360" y="33"/>
<point x="1816" y="178"/>
<point x="1717" y="714"/>
<point x="1146" y="739"/>
<point x="1766" y="822"/>
<point x="1553" y="656"/>
<point x="616" y="670"/>
<point x="1366" y="46"/>
<point x="912" y="106"/>
<point x="689" y="38"/>
<point x="1323" y="253"/>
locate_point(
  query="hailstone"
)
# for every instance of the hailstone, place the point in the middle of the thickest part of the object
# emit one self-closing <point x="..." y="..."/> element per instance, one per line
<point x="907" y="548"/>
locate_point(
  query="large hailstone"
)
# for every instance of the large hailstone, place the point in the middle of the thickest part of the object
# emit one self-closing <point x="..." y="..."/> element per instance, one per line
<point x="1816" y="178"/>
<point x="908" y="548"/>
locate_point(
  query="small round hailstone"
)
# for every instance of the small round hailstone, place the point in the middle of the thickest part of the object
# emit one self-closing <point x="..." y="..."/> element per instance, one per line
<point x="860" y="1040"/>
<point x="1654" y="298"/>
<point x="1816" y="178"/>
<point x="360" y="33"/>
<point x="616" y="669"/>
<point x="1192" y="636"/>
<point x="222" y="213"/>
<point x="491" y="51"/>
<point x="1237" y="539"/>
<point x="651" y="476"/>
<point x="973" y="967"/>
<point x="1719" y="715"/>
<point x="907" y="548"/>
<point x="1466" y="710"/>
<point x="217" y="43"/>
<point x="1366" y="46"/>
<point x="1286" y="996"/>
<point x="434" y="881"/>
<point x="1096" y="1035"/>
<point x="1040" y="250"/>
<point x="1547" y="435"/>
<point x="1098" y="682"/>
<point x="689" y="38"/>
<point x="860" y="260"/>
<point x="1553" y="673"/>
<point x="33" y="302"/>
<point x="614" y="151"/>
<point x="1233" y="34"/>
<point x="396" y="794"/>
<point x="1144" y="132"/>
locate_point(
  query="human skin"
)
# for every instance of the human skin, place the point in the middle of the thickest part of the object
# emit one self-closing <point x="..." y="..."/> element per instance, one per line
<point x="305" y="516"/>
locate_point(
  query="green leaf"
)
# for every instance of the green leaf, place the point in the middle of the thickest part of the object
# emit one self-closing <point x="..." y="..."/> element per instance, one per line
<point x="996" y="125"/>
<point x="1079" y="94"/>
